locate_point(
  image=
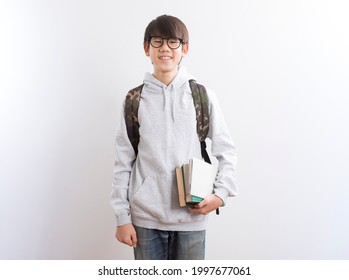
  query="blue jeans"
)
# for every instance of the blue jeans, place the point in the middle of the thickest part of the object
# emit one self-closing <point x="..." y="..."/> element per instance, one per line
<point x="156" y="244"/>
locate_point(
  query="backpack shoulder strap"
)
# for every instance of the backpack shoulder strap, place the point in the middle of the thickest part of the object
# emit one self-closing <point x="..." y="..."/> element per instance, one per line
<point x="131" y="115"/>
<point x="200" y="100"/>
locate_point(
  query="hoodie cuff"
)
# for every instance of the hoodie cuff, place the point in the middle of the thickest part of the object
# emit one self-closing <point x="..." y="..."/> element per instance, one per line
<point x="123" y="219"/>
<point x="222" y="193"/>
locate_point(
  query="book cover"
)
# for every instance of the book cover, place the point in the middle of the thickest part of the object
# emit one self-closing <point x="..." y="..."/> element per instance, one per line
<point x="203" y="176"/>
<point x="195" y="181"/>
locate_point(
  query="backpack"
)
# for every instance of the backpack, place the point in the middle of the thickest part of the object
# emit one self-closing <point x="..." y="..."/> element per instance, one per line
<point x="200" y="100"/>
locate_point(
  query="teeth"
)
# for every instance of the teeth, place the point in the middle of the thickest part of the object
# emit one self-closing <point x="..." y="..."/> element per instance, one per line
<point x="165" y="57"/>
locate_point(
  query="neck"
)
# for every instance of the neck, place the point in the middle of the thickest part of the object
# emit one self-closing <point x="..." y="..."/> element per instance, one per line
<point x="165" y="77"/>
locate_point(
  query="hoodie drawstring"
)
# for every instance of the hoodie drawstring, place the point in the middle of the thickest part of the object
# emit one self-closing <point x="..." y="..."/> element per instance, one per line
<point x="172" y="95"/>
<point x="174" y="103"/>
<point x="165" y="97"/>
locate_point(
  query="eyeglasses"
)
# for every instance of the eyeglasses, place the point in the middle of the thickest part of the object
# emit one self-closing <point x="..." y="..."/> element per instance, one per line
<point x="172" y="43"/>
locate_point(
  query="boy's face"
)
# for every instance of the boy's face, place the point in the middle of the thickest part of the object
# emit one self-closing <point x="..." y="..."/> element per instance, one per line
<point x="165" y="60"/>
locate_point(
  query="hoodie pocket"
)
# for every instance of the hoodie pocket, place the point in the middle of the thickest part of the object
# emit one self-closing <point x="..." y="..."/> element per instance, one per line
<point x="156" y="198"/>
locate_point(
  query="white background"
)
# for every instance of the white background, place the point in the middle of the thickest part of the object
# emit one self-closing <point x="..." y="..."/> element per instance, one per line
<point x="280" y="70"/>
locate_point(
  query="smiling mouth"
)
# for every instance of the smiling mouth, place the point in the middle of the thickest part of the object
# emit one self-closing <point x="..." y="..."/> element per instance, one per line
<point x="165" y="57"/>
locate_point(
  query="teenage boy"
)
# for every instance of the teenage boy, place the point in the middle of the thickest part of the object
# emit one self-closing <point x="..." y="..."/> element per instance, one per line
<point x="144" y="196"/>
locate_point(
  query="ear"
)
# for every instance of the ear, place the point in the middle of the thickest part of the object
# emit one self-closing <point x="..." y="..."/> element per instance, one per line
<point x="185" y="49"/>
<point x="146" y="49"/>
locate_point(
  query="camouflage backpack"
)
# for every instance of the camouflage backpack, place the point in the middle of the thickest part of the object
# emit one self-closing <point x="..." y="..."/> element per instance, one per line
<point x="200" y="100"/>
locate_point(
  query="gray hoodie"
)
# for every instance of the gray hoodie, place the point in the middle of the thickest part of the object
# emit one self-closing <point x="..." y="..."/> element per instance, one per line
<point x="144" y="187"/>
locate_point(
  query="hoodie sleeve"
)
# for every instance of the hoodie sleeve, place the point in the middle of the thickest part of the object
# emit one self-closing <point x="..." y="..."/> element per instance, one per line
<point x="124" y="160"/>
<point x="223" y="149"/>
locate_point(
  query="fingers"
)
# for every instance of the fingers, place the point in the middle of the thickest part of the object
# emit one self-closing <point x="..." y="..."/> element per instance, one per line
<point x="134" y="240"/>
<point x="202" y="211"/>
<point x="126" y="234"/>
<point x="130" y="240"/>
<point x="210" y="203"/>
<point x="202" y="204"/>
<point x="126" y="240"/>
<point x="200" y="208"/>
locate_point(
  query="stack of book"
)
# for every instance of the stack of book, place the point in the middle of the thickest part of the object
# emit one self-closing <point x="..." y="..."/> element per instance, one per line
<point x="195" y="181"/>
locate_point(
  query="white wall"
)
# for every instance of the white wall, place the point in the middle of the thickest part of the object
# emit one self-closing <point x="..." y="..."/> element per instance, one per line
<point x="280" y="70"/>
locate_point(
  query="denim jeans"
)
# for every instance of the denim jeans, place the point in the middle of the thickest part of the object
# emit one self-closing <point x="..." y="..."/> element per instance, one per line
<point x="156" y="244"/>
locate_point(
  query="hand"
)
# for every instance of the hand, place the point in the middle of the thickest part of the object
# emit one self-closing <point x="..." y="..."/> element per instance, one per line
<point x="210" y="203"/>
<point x="126" y="234"/>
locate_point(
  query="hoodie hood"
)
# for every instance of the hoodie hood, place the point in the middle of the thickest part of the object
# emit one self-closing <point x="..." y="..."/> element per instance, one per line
<point x="180" y="79"/>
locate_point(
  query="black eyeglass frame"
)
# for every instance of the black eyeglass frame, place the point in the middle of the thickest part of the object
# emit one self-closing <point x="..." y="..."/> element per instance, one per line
<point x="167" y="39"/>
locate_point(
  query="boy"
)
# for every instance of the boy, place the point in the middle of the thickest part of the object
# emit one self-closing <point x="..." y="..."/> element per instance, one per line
<point x="144" y="196"/>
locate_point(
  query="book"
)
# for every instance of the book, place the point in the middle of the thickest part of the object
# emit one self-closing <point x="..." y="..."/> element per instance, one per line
<point x="195" y="181"/>
<point x="187" y="175"/>
<point x="180" y="185"/>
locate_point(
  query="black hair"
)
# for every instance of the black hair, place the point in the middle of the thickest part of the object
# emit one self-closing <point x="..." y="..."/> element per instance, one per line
<point x="167" y="26"/>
